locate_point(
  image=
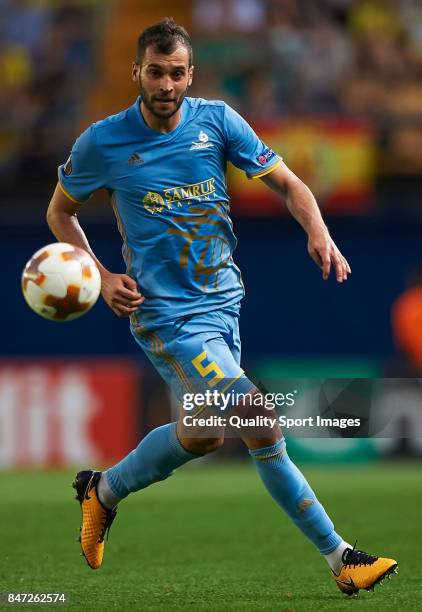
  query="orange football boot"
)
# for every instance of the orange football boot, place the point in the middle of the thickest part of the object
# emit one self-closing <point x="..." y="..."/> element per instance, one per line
<point x="362" y="571"/>
<point x="96" y="519"/>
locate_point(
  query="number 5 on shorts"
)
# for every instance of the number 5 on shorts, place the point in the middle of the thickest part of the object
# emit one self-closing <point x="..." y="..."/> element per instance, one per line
<point x="210" y="368"/>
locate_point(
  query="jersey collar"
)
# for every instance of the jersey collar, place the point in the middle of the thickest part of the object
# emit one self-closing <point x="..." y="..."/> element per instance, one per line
<point x="147" y="131"/>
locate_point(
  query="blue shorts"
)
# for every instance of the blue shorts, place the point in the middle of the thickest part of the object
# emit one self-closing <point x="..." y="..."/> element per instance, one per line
<point x="197" y="353"/>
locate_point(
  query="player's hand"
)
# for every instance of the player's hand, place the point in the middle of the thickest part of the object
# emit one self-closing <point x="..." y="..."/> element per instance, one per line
<point x="324" y="252"/>
<point x="121" y="293"/>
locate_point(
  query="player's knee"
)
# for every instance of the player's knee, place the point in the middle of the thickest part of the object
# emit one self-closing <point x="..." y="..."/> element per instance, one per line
<point x="209" y="445"/>
<point x="202" y="446"/>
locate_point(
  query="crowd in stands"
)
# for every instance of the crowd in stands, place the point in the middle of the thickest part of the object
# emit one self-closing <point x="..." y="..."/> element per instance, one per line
<point x="46" y="58"/>
<point x="295" y="58"/>
<point x="302" y="56"/>
<point x="268" y="58"/>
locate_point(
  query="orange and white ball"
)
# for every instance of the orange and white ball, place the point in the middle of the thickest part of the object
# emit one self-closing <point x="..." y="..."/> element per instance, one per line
<point x="61" y="282"/>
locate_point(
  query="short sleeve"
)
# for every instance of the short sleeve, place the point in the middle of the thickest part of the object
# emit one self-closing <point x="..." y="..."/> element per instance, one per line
<point x="244" y="149"/>
<point x="84" y="172"/>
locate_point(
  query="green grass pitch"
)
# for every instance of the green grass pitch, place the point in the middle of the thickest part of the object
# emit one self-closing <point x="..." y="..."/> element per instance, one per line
<point x="210" y="538"/>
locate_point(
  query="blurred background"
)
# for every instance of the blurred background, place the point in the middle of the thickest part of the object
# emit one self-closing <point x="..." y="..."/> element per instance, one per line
<point x="335" y="87"/>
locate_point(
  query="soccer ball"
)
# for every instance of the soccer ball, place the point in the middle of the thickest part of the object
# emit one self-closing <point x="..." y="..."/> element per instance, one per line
<point x="61" y="282"/>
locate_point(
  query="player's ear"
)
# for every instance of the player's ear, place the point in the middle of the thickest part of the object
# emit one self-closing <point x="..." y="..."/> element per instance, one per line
<point x="136" y="69"/>
<point x="190" y="76"/>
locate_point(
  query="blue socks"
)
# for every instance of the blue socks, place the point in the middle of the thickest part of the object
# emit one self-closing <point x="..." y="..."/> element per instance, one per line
<point x="289" y="488"/>
<point x="154" y="459"/>
<point x="160" y="452"/>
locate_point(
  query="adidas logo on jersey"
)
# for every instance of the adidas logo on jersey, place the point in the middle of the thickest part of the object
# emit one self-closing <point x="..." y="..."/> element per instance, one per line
<point x="135" y="158"/>
<point x="203" y="142"/>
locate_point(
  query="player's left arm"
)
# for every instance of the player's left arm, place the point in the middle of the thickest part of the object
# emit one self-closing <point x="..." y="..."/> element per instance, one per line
<point x="304" y="208"/>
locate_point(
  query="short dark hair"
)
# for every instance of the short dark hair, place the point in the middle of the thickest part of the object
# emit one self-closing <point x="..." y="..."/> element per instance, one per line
<point x="165" y="36"/>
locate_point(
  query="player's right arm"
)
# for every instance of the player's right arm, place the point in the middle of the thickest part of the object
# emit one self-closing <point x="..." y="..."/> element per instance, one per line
<point x="79" y="178"/>
<point x="118" y="290"/>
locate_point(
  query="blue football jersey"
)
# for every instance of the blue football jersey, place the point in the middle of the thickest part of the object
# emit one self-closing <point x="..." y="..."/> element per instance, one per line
<point x="169" y="195"/>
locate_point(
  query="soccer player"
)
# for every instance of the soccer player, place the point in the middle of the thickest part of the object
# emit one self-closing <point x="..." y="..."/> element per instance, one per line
<point x="163" y="161"/>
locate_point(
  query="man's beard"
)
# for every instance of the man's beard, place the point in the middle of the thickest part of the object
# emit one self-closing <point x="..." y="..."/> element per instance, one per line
<point x="150" y="100"/>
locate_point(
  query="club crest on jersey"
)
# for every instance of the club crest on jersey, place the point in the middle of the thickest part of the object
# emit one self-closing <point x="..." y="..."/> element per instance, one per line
<point x="202" y="143"/>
